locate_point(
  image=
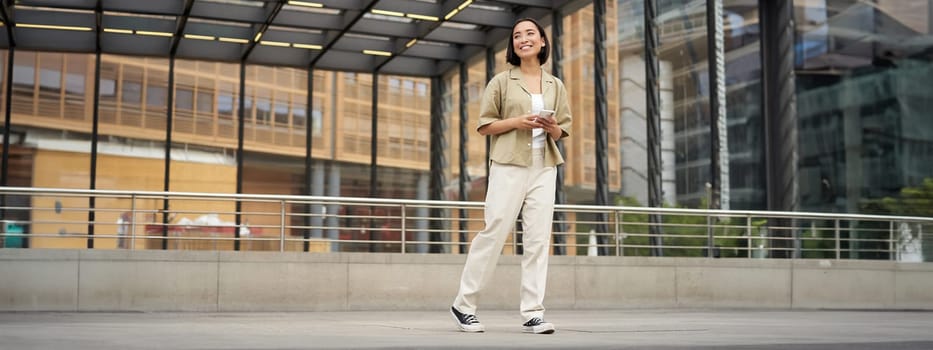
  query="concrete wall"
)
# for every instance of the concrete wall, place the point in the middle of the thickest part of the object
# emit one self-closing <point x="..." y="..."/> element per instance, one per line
<point x="114" y="280"/>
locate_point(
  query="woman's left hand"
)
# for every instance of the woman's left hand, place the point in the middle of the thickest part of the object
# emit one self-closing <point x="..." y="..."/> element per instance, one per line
<point x="550" y="126"/>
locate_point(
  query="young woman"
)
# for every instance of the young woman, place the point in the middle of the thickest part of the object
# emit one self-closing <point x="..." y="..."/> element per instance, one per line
<point x="524" y="157"/>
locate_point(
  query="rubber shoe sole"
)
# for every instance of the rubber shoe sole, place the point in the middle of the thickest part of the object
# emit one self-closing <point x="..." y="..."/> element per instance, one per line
<point x="467" y="328"/>
<point x="544" y="328"/>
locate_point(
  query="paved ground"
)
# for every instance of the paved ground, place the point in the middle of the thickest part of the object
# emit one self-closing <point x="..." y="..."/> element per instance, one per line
<point x="616" y="329"/>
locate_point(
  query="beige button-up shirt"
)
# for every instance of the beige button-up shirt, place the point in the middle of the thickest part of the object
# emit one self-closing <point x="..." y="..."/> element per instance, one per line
<point x="506" y="96"/>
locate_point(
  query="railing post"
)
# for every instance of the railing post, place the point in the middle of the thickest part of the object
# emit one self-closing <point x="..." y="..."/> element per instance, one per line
<point x="816" y="237"/>
<point x="404" y="233"/>
<point x="281" y="227"/>
<point x="796" y="234"/>
<point x="618" y="233"/>
<point x="748" y="233"/>
<point x="132" y="232"/>
<point x="920" y="239"/>
<point x="709" y="236"/>
<point x="838" y="243"/>
<point x="515" y="240"/>
<point x="892" y="249"/>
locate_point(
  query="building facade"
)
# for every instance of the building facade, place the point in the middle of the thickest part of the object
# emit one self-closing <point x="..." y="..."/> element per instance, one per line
<point x="862" y="103"/>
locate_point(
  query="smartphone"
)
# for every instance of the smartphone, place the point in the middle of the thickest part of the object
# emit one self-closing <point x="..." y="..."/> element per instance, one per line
<point x="546" y="114"/>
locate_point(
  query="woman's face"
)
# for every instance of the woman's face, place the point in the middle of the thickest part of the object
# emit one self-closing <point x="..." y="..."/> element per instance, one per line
<point x="526" y="40"/>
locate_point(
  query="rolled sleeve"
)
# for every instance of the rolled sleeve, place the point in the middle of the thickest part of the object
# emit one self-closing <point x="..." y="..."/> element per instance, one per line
<point x="564" y="117"/>
<point x="489" y="110"/>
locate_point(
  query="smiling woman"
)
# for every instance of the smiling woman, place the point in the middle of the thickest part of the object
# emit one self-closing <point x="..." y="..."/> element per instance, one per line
<point x="522" y="175"/>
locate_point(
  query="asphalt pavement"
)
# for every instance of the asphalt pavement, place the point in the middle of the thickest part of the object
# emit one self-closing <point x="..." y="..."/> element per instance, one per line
<point x="576" y="329"/>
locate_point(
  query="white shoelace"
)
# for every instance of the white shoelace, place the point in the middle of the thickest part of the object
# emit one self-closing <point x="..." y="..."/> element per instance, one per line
<point x="534" y="322"/>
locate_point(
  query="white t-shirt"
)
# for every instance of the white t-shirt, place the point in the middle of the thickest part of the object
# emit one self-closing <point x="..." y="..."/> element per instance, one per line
<point x="537" y="134"/>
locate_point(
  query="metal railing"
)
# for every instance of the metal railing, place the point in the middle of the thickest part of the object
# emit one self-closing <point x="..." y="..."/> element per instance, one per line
<point x="64" y="218"/>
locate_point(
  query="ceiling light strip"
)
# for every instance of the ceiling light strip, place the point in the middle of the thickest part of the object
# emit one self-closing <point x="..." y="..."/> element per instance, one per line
<point x="377" y="53"/>
<point x="274" y="43"/>
<point x="305" y="4"/>
<point x="154" y="33"/>
<point x="233" y="40"/>
<point x="307" y="46"/>
<point x="464" y="5"/>
<point x="47" y="26"/>
<point x="118" y="31"/>
<point x="388" y="13"/>
<point x="199" y="37"/>
<point x="422" y="17"/>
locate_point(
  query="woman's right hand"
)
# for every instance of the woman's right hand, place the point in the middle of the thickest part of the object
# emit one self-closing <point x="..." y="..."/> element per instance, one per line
<point x="527" y="122"/>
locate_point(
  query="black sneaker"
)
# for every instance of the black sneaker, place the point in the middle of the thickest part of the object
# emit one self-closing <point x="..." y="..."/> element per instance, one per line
<point x="467" y="322"/>
<point x="538" y="326"/>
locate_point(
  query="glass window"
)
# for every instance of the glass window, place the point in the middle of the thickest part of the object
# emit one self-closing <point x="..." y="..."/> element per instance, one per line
<point x="299" y="117"/>
<point x="422" y="89"/>
<point x="76" y="66"/>
<point x="108" y="88"/>
<point x="205" y="101"/>
<point x="134" y="160"/>
<point x="281" y="113"/>
<point x="263" y="111"/>
<point x="684" y="76"/>
<point x="131" y="92"/>
<point x="317" y="118"/>
<point x="743" y="105"/>
<point x="184" y="98"/>
<point x="24" y="71"/>
<point x="156" y="96"/>
<point x="225" y="104"/>
<point x="863" y="72"/>
<point x="50" y="73"/>
<point x="408" y="87"/>
<point x="74" y="83"/>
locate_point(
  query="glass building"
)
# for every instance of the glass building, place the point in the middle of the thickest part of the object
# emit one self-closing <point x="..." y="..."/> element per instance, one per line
<point x="826" y="103"/>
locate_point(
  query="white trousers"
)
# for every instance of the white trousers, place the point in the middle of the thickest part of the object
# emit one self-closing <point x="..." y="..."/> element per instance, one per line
<point x="510" y="187"/>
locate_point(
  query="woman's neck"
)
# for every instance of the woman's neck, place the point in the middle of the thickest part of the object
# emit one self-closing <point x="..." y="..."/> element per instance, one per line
<point x="530" y="68"/>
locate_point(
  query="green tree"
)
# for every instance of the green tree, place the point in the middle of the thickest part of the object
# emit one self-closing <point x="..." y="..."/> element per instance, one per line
<point x="913" y="201"/>
<point x="686" y="235"/>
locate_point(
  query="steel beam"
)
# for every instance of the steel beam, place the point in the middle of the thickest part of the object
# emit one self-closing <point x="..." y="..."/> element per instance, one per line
<point x="276" y="7"/>
<point x="241" y="125"/>
<point x="653" y="108"/>
<point x="95" y="135"/>
<point x="438" y="161"/>
<point x="601" y="124"/>
<point x="169" y="125"/>
<point x="719" y="143"/>
<point x="557" y="69"/>
<point x="180" y="27"/>
<point x="780" y="112"/>
<point x="309" y="170"/>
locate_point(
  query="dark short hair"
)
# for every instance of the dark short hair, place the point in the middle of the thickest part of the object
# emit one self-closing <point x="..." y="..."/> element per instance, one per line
<point x="510" y="55"/>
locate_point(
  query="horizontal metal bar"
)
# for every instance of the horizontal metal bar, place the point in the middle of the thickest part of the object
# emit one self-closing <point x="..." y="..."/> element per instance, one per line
<point x="458" y="204"/>
<point x="357" y="225"/>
